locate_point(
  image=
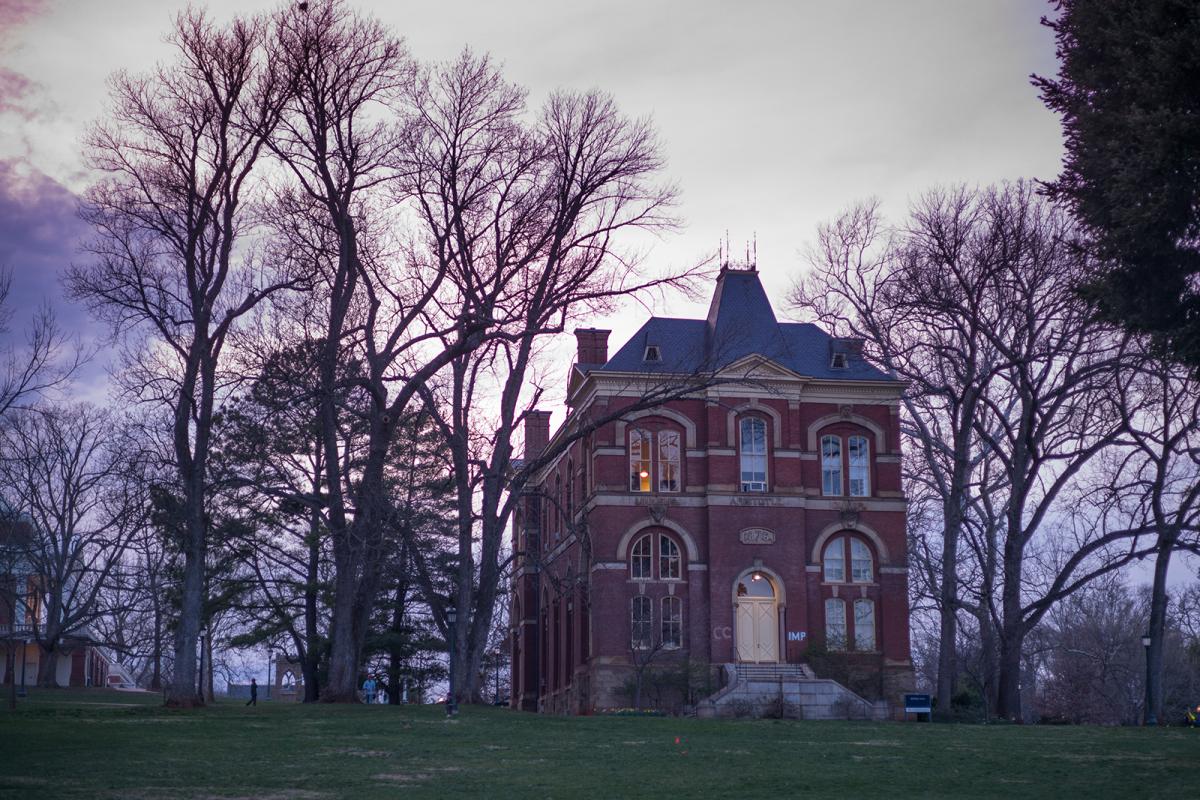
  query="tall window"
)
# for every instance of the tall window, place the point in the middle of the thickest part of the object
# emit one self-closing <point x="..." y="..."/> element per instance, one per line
<point x="570" y="492"/>
<point x="640" y="560"/>
<point x="668" y="461"/>
<point x="835" y="560"/>
<point x="754" y="455"/>
<point x="641" y="623"/>
<point x="672" y="623"/>
<point x="860" y="561"/>
<point x="639" y="461"/>
<point x="835" y="624"/>
<point x="864" y="625"/>
<point x="860" y="483"/>
<point x="668" y="559"/>
<point x="831" y="465"/>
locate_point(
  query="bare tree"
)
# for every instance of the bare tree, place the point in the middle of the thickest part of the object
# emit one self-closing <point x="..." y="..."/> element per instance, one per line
<point x="63" y="472"/>
<point x="1156" y="481"/>
<point x="919" y="297"/>
<point x="172" y="266"/>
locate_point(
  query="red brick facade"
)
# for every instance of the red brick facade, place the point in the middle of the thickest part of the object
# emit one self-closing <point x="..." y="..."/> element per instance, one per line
<point x="707" y="528"/>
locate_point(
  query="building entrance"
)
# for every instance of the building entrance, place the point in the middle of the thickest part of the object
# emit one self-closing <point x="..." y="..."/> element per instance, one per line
<point x="757" y="619"/>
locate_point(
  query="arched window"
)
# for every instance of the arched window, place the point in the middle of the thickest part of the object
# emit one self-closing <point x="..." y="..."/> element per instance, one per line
<point x="859" y="461"/>
<point x="641" y="623"/>
<point x="669" y="567"/>
<point x="672" y="623"/>
<point x="831" y="465"/>
<point x="641" y="560"/>
<point x="835" y="560"/>
<point x="864" y="625"/>
<point x="668" y="461"/>
<point x="835" y="624"/>
<point x="860" y="561"/>
<point x="639" y="461"/>
<point x="754" y="454"/>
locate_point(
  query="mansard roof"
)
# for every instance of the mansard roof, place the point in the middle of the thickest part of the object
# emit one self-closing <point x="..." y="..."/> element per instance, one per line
<point x="741" y="323"/>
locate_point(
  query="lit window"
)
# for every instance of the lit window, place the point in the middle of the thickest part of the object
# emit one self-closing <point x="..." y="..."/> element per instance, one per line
<point x="672" y="623"/>
<point x="835" y="624"/>
<point x="641" y="623"/>
<point x="860" y="561"/>
<point x="668" y="559"/>
<point x="831" y="465"/>
<point x="754" y="455"/>
<point x="668" y="461"/>
<point x="640" y="562"/>
<point x="864" y="625"/>
<point x="835" y="560"/>
<point x="860" y="484"/>
<point x="639" y="461"/>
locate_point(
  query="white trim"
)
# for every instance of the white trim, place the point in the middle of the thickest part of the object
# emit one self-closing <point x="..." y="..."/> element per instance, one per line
<point x="857" y="419"/>
<point x="745" y="408"/>
<point x="689" y="427"/>
<point x="693" y="553"/>
<point x="841" y="527"/>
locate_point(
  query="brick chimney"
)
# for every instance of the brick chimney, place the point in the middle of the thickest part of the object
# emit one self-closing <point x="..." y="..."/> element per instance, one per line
<point x="592" y="346"/>
<point x="537" y="433"/>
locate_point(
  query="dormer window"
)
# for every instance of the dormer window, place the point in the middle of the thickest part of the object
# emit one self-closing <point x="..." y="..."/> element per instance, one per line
<point x="838" y="361"/>
<point x="652" y="353"/>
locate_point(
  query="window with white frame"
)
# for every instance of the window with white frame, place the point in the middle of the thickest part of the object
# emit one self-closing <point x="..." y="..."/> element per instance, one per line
<point x="835" y="624"/>
<point x="831" y="465"/>
<point x="860" y="561"/>
<point x="641" y="559"/>
<point x="639" y="461"/>
<point x="859" y="464"/>
<point x="641" y="623"/>
<point x="669" y="566"/>
<point x="835" y="560"/>
<point x="754" y="454"/>
<point x="668" y="461"/>
<point x="672" y="623"/>
<point x="864" y="625"/>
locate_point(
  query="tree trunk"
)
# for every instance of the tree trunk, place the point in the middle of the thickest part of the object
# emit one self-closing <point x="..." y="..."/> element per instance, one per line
<point x="48" y="668"/>
<point x="312" y="649"/>
<point x="1012" y="637"/>
<point x="1158" y="622"/>
<point x="343" y="654"/>
<point x="181" y="692"/>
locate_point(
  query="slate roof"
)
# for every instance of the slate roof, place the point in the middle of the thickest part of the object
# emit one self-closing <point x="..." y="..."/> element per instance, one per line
<point x="740" y="323"/>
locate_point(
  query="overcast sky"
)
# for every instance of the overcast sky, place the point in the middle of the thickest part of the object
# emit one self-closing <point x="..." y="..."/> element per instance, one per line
<point x="773" y="115"/>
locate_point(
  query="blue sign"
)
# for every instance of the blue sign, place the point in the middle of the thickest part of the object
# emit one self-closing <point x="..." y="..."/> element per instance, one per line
<point x="918" y="704"/>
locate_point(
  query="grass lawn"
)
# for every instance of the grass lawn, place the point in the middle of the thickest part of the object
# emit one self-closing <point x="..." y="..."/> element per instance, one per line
<point x="107" y="744"/>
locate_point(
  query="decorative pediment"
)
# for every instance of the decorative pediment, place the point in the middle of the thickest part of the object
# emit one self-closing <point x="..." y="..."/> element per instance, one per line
<point x="756" y="367"/>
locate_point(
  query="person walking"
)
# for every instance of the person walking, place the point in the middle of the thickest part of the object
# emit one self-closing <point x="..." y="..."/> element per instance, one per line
<point x="253" y="701"/>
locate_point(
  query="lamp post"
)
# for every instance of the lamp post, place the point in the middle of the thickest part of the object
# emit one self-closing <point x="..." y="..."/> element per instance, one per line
<point x="451" y="618"/>
<point x="1150" y="718"/>
<point x="496" y="655"/>
<point x="203" y="639"/>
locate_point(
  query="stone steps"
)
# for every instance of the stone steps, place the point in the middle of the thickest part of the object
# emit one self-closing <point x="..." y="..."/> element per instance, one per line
<point x="794" y="689"/>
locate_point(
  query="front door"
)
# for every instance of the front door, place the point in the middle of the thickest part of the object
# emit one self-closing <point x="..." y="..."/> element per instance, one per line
<point x="757" y="620"/>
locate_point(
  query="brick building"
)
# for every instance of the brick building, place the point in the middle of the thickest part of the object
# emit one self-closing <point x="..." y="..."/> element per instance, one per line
<point x="758" y="520"/>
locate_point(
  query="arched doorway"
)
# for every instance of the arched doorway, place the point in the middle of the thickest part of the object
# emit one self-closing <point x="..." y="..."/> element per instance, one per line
<point x="756" y="618"/>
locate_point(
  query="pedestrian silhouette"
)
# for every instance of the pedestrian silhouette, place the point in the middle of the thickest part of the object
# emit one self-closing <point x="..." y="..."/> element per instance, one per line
<point x="253" y="701"/>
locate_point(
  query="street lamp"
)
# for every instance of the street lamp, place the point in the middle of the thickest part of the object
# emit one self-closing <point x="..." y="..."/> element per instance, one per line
<point x="1151" y="719"/>
<point x="203" y="640"/>
<point x="496" y="656"/>
<point x="451" y="618"/>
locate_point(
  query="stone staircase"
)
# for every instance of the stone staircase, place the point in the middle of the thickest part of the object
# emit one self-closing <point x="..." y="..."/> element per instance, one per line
<point x="792" y="690"/>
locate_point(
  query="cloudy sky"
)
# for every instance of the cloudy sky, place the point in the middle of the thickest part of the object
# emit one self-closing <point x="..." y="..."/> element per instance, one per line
<point x="773" y="115"/>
